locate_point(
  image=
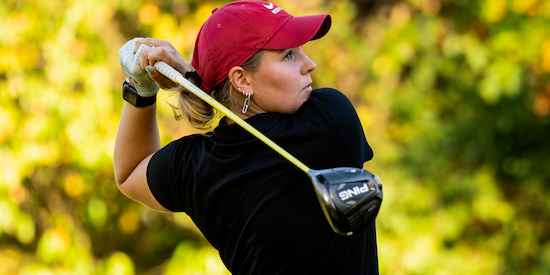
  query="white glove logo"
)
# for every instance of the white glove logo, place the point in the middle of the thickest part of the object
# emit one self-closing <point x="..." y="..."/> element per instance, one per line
<point x="132" y="80"/>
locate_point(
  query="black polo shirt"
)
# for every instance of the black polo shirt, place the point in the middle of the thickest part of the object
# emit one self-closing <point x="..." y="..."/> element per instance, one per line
<point x="257" y="208"/>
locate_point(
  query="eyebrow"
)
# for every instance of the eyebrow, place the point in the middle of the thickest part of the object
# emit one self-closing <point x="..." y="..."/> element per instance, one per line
<point x="278" y="52"/>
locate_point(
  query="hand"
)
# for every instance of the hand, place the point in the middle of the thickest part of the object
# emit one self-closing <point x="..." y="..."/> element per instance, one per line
<point x="129" y="56"/>
<point x="161" y="50"/>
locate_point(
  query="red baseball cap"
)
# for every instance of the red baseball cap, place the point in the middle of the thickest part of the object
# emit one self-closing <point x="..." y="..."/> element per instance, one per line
<point x="238" y="30"/>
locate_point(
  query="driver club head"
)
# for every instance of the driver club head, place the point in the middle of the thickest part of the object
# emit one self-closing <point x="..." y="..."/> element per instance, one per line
<point x="350" y="197"/>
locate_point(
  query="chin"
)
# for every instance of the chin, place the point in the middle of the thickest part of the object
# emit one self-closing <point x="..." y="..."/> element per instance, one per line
<point x="305" y="97"/>
<point x="301" y="102"/>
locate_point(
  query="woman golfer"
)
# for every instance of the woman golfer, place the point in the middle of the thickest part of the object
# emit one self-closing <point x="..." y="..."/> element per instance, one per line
<point x="254" y="206"/>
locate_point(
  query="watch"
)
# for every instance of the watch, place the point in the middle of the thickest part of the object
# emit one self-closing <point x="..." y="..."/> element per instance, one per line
<point x="130" y="94"/>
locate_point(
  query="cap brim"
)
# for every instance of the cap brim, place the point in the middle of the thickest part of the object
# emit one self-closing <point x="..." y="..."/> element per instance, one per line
<point x="298" y="31"/>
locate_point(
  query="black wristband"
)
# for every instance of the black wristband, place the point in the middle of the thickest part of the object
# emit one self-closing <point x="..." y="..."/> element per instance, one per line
<point x="130" y="94"/>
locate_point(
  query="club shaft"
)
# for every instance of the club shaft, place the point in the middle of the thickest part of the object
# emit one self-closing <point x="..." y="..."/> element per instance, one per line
<point x="177" y="77"/>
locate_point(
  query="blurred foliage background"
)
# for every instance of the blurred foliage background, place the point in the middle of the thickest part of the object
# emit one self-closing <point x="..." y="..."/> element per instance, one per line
<point x="454" y="96"/>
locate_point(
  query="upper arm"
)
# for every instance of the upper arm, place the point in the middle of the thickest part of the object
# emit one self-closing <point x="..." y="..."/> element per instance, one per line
<point x="137" y="188"/>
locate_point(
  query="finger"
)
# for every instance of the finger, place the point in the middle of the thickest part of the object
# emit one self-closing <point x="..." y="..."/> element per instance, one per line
<point x="161" y="50"/>
<point x="153" y="42"/>
<point x="143" y="58"/>
<point x="151" y="70"/>
<point x="139" y="42"/>
<point x="146" y="41"/>
<point x="162" y="81"/>
<point x="157" y="54"/>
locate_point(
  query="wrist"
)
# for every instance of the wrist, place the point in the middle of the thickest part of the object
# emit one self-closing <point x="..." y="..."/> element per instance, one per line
<point x="130" y="95"/>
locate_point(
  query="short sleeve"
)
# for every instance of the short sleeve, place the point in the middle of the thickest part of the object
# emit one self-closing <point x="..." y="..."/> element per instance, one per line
<point x="165" y="176"/>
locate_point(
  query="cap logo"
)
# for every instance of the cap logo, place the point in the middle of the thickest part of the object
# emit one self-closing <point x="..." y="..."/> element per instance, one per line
<point x="270" y="7"/>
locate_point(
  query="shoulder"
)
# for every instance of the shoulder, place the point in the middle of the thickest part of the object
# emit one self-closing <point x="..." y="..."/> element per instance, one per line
<point x="184" y="143"/>
<point x="334" y="102"/>
<point x="341" y="115"/>
<point x="172" y="153"/>
<point x="328" y="95"/>
<point x="174" y="156"/>
<point x="332" y="99"/>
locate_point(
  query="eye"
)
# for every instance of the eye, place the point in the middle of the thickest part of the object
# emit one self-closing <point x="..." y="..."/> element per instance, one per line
<point x="288" y="55"/>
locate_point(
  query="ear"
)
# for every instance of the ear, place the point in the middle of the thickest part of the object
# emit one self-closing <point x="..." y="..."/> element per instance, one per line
<point x="238" y="77"/>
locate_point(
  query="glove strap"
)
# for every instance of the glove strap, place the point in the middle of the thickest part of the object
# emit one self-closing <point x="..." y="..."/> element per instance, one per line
<point x="130" y="94"/>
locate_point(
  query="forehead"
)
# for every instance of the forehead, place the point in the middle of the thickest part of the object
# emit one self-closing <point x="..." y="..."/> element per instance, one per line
<point x="274" y="53"/>
<point x="277" y="53"/>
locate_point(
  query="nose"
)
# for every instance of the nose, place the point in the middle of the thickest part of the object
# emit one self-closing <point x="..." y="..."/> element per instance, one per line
<point x="308" y="65"/>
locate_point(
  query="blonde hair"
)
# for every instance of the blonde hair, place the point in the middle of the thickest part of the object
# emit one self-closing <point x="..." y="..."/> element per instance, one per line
<point x="199" y="114"/>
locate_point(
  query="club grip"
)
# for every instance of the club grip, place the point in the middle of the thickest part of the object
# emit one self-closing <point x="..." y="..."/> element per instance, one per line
<point x="168" y="71"/>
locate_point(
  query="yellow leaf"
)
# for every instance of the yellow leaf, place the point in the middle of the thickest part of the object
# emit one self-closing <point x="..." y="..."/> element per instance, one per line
<point x="119" y="264"/>
<point x="74" y="185"/>
<point x="128" y="222"/>
<point x="494" y="10"/>
<point x="203" y="13"/>
<point x="542" y="105"/>
<point x="78" y="48"/>
<point x="381" y="65"/>
<point x="25" y="228"/>
<point x="17" y="193"/>
<point x="525" y="6"/>
<point x="545" y="50"/>
<point x="148" y="13"/>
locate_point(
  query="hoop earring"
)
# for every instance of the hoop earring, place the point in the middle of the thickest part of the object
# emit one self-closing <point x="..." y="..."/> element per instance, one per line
<point x="246" y="102"/>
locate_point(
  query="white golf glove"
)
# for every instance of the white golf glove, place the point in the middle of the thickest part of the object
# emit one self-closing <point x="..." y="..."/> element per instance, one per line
<point x="129" y="61"/>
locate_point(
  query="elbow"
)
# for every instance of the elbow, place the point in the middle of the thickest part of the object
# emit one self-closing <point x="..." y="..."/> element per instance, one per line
<point x="120" y="175"/>
<point x="122" y="185"/>
<point x="119" y="179"/>
<point x="122" y="170"/>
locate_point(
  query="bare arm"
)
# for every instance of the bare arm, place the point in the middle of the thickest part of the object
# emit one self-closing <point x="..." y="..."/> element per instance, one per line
<point x="137" y="140"/>
<point x="138" y="136"/>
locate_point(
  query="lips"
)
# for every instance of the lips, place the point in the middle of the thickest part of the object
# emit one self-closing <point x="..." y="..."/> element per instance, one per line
<point x="308" y="88"/>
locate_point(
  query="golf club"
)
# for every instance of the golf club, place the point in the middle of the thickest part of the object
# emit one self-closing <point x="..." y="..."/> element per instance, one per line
<point x="350" y="197"/>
